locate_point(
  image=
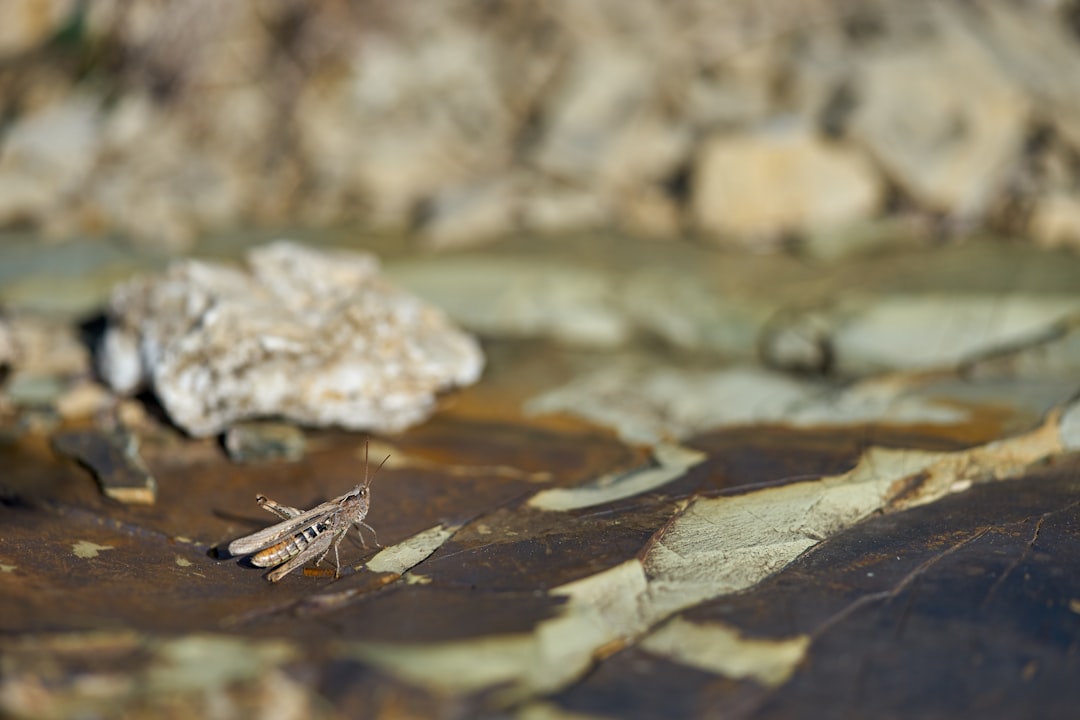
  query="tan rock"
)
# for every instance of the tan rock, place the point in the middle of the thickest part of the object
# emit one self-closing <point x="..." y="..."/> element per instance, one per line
<point x="782" y="178"/>
<point x="26" y="24"/>
<point x="83" y="400"/>
<point x="940" y="117"/>
<point x="1055" y="221"/>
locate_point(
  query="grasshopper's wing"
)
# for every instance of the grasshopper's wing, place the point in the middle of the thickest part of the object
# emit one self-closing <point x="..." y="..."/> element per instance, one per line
<point x="268" y="536"/>
<point x="315" y="549"/>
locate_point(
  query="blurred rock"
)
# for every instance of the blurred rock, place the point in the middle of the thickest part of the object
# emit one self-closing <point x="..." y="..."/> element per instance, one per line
<point x="1030" y="49"/>
<point x="832" y="244"/>
<point x="47" y="346"/>
<point x="264" y="442"/>
<point x="735" y="92"/>
<point x="780" y="179"/>
<point x="315" y="337"/>
<point x="939" y="331"/>
<point x="798" y="342"/>
<point x="649" y="211"/>
<point x="1055" y="221"/>
<point x="46" y="157"/>
<point x="83" y="400"/>
<point x="26" y="24"/>
<point x="418" y="111"/>
<point x="470" y="215"/>
<point x="939" y="115"/>
<point x="605" y="88"/>
<point x="25" y="389"/>
<point x="550" y="208"/>
<point x="7" y="344"/>
<point x="522" y="298"/>
<point x="482" y="119"/>
<point x="44" y="356"/>
<point x="645" y="403"/>
<point x="1053" y="355"/>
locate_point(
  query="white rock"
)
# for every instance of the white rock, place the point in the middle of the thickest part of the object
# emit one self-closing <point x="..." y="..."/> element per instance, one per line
<point x="315" y="337"/>
<point x="781" y="179"/>
<point x="941" y="118"/>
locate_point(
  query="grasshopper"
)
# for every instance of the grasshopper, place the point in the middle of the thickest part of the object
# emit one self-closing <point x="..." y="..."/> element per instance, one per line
<point x="303" y="535"/>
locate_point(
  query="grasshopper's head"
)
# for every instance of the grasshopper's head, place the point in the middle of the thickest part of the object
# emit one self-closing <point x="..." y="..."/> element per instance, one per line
<point x="362" y="492"/>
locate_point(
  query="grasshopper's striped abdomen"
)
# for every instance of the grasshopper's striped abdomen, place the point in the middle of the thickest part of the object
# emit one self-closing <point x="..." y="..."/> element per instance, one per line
<point x="290" y="546"/>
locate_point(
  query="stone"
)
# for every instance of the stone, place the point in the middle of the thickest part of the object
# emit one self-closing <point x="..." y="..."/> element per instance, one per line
<point x="941" y="119"/>
<point x="462" y="216"/>
<point x="647" y="403"/>
<point x="26" y="24"/>
<point x="417" y="111"/>
<point x="937" y="331"/>
<point x="30" y="390"/>
<point x="522" y="298"/>
<point x="604" y="90"/>
<point x="1030" y="48"/>
<point x="782" y="178"/>
<point x="316" y="337"/>
<point x="649" y="211"/>
<point x="548" y="208"/>
<point x="7" y="344"/>
<point x="43" y="356"/>
<point x="114" y="459"/>
<point x="83" y="400"/>
<point x="1055" y="221"/>
<point x="46" y="156"/>
<point x="264" y="442"/>
<point x="736" y="92"/>
<point x="580" y="303"/>
<point x="47" y="346"/>
<point x="834" y="244"/>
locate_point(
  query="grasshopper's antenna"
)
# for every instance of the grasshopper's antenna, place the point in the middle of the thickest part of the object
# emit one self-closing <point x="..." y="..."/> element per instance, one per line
<point x="369" y="477"/>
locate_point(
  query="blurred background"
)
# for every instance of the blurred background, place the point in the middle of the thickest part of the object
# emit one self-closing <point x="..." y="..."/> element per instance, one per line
<point x="814" y="126"/>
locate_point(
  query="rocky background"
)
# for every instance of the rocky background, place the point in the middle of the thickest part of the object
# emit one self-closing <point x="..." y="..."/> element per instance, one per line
<point x="739" y="122"/>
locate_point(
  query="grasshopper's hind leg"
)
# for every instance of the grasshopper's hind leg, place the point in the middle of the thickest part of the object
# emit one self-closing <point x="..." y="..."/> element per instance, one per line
<point x="282" y="511"/>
